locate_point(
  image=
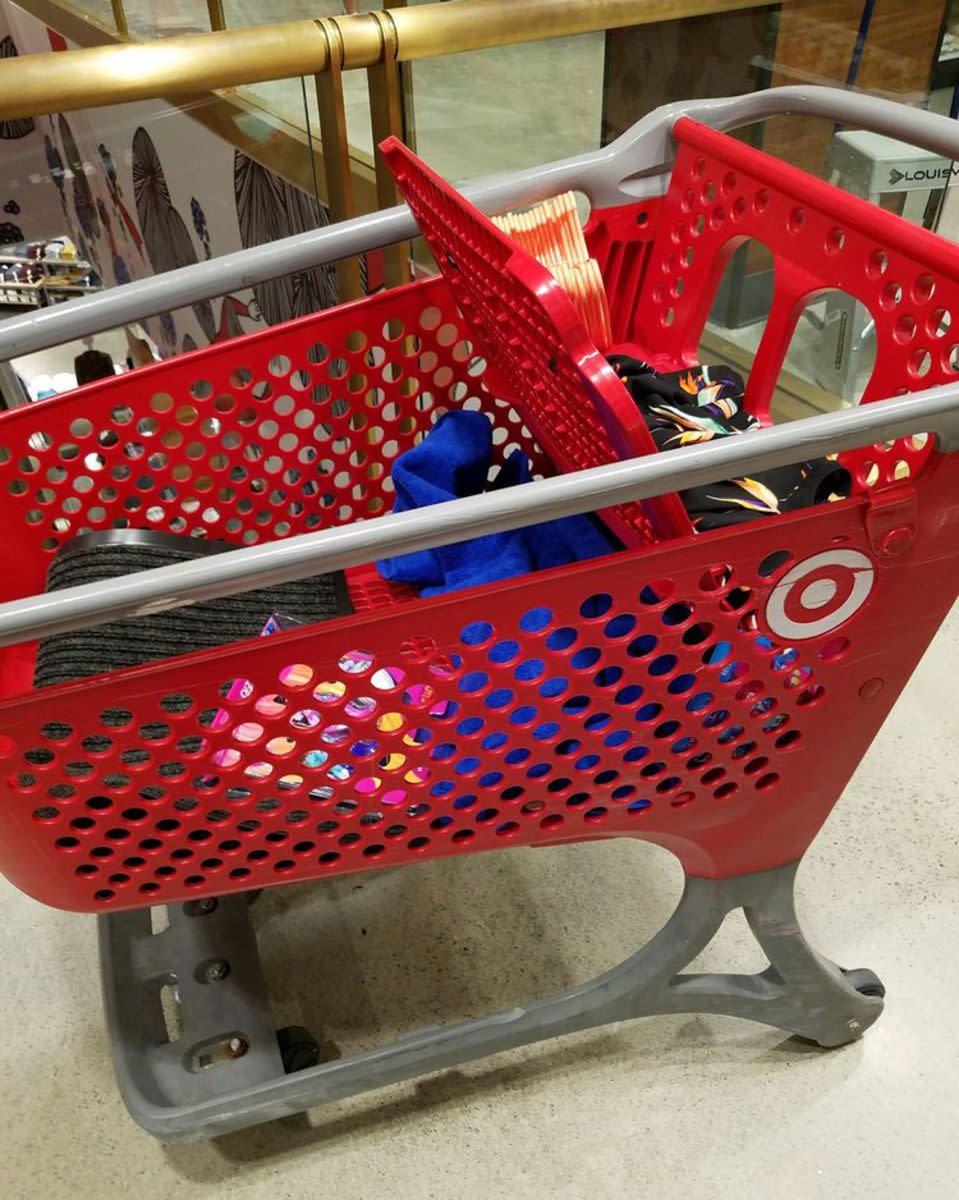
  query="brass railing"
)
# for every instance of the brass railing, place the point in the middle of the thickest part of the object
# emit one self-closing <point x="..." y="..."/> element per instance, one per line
<point x="207" y="65"/>
<point x="191" y="63"/>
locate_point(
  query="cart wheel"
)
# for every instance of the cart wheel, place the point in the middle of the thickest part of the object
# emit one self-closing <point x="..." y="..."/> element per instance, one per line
<point x="866" y="982"/>
<point x="298" y="1048"/>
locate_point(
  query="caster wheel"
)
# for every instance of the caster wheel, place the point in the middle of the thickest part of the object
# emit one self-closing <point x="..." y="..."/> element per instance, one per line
<point x="298" y="1048"/>
<point x="866" y="982"/>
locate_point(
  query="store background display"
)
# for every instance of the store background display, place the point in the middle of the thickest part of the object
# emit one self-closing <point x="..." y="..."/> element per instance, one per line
<point x="36" y="274"/>
<point x="142" y="189"/>
<point x="268" y="208"/>
<point x="53" y="371"/>
<point x="165" y="234"/>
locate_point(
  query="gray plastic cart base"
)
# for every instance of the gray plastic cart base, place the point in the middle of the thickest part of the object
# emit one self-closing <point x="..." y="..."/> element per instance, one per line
<point x="225" y="1071"/>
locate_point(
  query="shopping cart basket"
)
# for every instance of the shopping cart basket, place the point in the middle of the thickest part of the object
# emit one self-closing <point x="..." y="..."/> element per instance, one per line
<point x="711" y="693"/>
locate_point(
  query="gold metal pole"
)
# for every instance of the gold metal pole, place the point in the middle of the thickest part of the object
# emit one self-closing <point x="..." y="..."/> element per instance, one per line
<point x="217" y="15"/>
<point x="336" y="152"/>
<point x="386" y="116"/>
<point x="177" y="66"/>
<point x="34" y="84"/>
<point x="120" y="18"/>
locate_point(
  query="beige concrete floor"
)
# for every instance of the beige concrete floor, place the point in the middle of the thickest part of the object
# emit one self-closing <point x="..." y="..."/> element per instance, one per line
<point x="666" y="1107"/>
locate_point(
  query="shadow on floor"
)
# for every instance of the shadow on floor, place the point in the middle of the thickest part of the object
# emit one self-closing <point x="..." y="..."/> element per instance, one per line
<point x="212" y="1161"/>
<point x="403" y="1107"/>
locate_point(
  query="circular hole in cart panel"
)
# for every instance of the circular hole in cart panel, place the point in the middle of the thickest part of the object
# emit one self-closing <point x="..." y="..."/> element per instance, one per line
<point x="773" y="562"/>
<point x="658" y="591"/>
<point x="924" y="289"/>
<point x="394" y="329"/>
<point x="296" y="675"/>
<point x="920" y="364"/>
<point x="814" y="693"/>
<point x="715" y="577"/>
<point x="835" y="240"/>
<point x="876" y="264"/>
<point x="870" y="474"/>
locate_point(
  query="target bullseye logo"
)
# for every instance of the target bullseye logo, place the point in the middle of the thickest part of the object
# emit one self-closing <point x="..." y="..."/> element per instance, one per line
<point x="820" y="593"/>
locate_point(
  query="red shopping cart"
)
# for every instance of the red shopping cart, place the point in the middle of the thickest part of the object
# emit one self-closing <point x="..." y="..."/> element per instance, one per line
<point x="712" y="693"/>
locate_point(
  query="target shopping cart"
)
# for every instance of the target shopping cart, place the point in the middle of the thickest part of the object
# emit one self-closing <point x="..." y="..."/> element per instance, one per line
<point x="711" y="693"/>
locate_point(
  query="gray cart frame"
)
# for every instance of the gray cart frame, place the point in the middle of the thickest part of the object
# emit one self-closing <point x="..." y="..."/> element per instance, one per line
<point x="214" y="941"/>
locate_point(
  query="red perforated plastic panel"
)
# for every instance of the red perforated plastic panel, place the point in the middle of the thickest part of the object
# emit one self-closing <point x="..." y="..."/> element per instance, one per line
<point x="712" y="694"/>
<point x="723" y="191"/>
<point x="638" y="695"/>
<point x="285" y="431"/>
<point x="530" y="332"/>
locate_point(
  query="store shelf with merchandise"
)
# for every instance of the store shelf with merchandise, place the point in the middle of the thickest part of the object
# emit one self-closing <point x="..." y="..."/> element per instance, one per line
<point x="39" y="274"/>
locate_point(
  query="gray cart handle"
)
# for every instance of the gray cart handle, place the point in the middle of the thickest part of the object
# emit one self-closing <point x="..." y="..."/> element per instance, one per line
<point x="628" y="169"/>
<point x="934" y="411"/>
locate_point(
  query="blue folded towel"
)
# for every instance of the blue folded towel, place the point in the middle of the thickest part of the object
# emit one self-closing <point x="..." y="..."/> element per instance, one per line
<point x="452" y="461"/>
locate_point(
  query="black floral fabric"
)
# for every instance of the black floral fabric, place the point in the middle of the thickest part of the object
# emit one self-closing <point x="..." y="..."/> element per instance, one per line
<point x="700" y="403"/>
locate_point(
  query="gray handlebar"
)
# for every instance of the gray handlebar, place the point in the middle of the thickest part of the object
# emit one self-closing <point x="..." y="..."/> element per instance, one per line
<point x="631" y="167"/>
<point x="935" y="411"/>
<point x="916" y="126"/>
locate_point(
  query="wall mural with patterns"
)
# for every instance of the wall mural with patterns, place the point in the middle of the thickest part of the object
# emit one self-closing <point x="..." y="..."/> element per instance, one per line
<point x="143" y="189"/>
<point x="165" y="235"/>
<point x="267" y="208"/>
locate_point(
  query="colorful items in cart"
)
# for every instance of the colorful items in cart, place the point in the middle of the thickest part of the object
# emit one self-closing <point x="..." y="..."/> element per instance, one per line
<point x="685" y="408"/>
<point x="453" y="461"/>
<point x="242" y="689"/>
